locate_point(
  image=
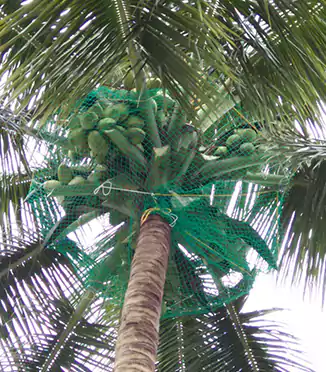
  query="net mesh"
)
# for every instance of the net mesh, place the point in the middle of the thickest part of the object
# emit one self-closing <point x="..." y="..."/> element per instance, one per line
<point x="120" y="157"/>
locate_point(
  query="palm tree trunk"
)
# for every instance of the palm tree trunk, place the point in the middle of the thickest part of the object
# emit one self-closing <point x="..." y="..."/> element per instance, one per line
<point x="138" y="335"/>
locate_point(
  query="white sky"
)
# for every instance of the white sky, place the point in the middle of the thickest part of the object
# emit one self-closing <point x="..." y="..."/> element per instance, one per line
<point x="305" y="319"/>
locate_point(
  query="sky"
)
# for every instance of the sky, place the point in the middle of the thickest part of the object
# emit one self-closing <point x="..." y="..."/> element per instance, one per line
<point x="305" y="319"/>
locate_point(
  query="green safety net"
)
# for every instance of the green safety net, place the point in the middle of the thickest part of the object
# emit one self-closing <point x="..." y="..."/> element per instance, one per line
<point x="121" y="156"/>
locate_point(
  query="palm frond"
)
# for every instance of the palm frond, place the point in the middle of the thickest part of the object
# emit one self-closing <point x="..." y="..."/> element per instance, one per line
<point x="285" y="40"/>
<point x="47" y="318"/>
<point x="21" y="291"/>
<point x="303" y="254"/>
<point x="88" y="347"/>
<point x="15" y="171"/>
<point x="296" y="159"/>
<point x="57" y="52"/>
<point x="212" y="342"/>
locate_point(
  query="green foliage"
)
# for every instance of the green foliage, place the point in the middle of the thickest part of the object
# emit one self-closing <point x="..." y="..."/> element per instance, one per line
<point x="198" y="272"/>
<point x="303" y="257"/>
<point x="259" y="50"/>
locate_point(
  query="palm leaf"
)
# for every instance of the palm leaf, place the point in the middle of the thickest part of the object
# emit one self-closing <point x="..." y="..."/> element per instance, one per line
<point x="303" y="255"/>
<point x="267" y="51"/>
<point x="296" y="179"/>
<point x="42" y="301"/>
<point x="89" y="345"/>
<point x="213" y="342"/>
<point x="20" y="288"/>
<point x="15" y="172"/>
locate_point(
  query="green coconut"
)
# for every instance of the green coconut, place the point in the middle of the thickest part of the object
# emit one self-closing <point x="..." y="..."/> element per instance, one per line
<point x="78" y="138"/>
<point x="247" y="135"/>
<point x="89" y="120"/>
<point x="100" y="158"/>
<point x="97" y="109"/>
<point x="64" y="173"/>
<point x="233" y="142"/>
<point x="97" y="143"/>
<point x="106" y="123"/>
<point x="221" y="151"/>
<point x="74" y="122"/>
<point x="135" y="121"/>
<point x="247" y="148"/>
<point x="119" y="111"/>
<point x="135" y="135"/>
<point x="78" y="180"/>
<point x="51" y="185"/>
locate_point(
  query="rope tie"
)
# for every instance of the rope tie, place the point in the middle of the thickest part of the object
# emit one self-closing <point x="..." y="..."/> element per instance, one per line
<point x="157" y="210"/>
<point x="106" y="190"/>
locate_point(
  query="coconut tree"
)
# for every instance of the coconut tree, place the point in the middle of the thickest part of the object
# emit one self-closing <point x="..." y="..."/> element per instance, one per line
<point x="51" y="321"/>
<point x="51" y="276"/>
<point x="256" y="53"/>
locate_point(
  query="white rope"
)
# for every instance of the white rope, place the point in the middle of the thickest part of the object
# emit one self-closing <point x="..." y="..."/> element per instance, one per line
<point x="103" y="187"/>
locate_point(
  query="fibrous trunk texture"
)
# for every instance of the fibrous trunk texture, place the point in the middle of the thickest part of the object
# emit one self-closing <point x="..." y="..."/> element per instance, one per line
<point x="138" y="334"/>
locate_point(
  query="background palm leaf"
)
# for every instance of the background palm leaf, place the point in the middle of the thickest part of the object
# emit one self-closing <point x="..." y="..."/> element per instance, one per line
<point x="212" y="342"/>
<point x="296" y="154"/>
<point x="15" y="172"/>
<point x="40" y="297"/>
<point x="266" y="50"/>
<point x="303" y="255"/>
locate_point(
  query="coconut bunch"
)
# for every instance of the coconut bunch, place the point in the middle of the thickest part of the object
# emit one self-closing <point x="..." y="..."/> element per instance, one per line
<point x="144" y="142"/>
<point x="125" y="146"/>
<point x="241" y="142"/>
